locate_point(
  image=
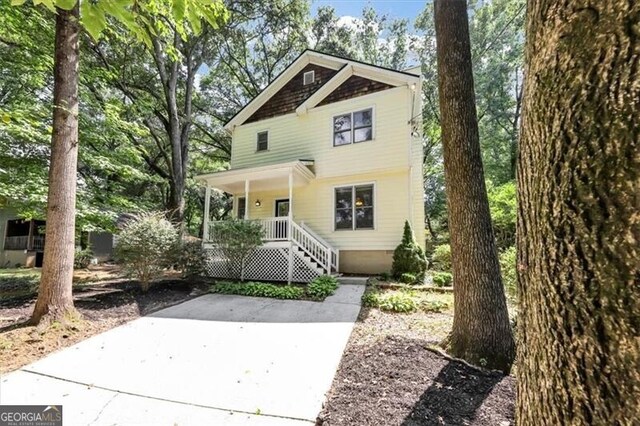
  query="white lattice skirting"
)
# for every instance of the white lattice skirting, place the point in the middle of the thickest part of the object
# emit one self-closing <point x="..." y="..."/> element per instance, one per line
<point x="264" y="264"/>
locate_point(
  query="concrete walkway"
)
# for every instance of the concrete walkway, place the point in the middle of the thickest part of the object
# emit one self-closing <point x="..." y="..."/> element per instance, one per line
<point x="215" y="360"/>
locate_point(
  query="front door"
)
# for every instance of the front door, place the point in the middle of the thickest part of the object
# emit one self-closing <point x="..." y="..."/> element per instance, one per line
<point x="282" y="210"/>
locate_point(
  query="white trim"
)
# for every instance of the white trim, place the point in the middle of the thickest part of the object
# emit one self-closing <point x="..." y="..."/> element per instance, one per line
<point x="324" y="91"/>
<point x="333" y="207"/>
<point x="275" y="205"/>
<point x="258" y="133"/>
<point x="299" y="166"/>
<point x="395" y="78"/>
<point x="312" y="73"/>
<point x="370" y="97"/>
<point x="353" y="111"/>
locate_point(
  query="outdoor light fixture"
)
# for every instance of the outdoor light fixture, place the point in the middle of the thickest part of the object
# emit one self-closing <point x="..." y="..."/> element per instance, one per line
<point x="258" y="203"/>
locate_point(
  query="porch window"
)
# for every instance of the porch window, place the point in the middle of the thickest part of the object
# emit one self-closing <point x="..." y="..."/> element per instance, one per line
<point x="353" y="127"/>
<point x="354" y="207"/>
<point x="263" y="141"/>
<point x="242" y="206"/>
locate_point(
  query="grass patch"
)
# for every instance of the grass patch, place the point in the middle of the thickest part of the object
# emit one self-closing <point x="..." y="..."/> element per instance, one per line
<point x="406" y="301"/>
<point x="318" y="289"/>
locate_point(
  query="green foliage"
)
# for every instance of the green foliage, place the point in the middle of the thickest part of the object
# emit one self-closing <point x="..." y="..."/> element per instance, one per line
<point x="318" y="289"/>
<point x="237" y="239"/>
<point x="408" y="257"/>
<point x="322" y="287"/>
<point x="509" y="273"/>
<point x="408" y="278"/>
<point x="385" y="276"/>
<point x="258" y="289"/>
<point x="433" y="306"/>
<point x="394" y="302"/>
<point x="503" y="206"/>
<point x="82" y="258"/>
<point x="190" y="257"/>
<point x="146" y="246"/>
<point x="442" y="279"/>
<point x="442" y="258"/>
<point x="403" y="301"/>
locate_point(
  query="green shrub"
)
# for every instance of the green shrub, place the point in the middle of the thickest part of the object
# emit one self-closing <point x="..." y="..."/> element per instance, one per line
<point x="191" y="257"/>
<point x="442" y="279"/>
<point x="509" y="272"/>
<point x="82" y="258"/>
<point x="258" y="289"/>
<point x="322" y="287"/>
<point x="408" y="278"/>
<point x="434" y="306"/>
<point x="146" y="246"/>
<point x="385" y="276"/>
<point x="442" y="258"/>
<point x="237" y="239"/>
<point x="408" y="257"/>
<point x="393" y="302"/>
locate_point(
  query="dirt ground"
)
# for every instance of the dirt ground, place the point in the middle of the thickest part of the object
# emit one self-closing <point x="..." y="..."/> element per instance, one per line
<point x="390" y="375"/>
<point x="102" y="306"/>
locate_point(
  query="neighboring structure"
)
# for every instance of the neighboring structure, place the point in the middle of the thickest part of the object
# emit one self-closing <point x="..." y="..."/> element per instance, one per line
<point x="22" y="241"/>
<point x="102" y="244"/>
<point x="329" y="158"/>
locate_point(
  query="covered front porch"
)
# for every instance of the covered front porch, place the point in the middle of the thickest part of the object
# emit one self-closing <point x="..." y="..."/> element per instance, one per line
<point x="292" y="251"/>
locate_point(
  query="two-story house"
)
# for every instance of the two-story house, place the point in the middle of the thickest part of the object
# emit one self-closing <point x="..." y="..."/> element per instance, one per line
<point x="329" y="158"/>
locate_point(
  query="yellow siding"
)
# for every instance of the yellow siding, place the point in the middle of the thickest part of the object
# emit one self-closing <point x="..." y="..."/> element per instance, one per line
<point x="392" y="161"/>
<point x="310" y="137"/>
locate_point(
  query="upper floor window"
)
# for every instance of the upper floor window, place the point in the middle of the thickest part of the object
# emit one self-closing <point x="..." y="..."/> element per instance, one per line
<point x="263" y="141"/>
<point x="354" y="207"/>
<point x="353" y="127"/>
<point x="308" y="77"/>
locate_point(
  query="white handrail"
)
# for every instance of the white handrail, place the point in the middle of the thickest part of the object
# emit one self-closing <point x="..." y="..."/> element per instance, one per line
<point x="282" y="229"/>
<point x="334" y="253"/>
<point x="310" y="245"/>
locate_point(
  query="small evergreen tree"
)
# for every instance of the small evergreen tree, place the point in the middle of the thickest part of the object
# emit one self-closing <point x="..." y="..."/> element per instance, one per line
<point x="409" y="257"/>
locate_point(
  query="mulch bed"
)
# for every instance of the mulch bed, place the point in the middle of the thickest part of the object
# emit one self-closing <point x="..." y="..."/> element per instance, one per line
<point x="397" y="381"/>
<point x="102" y="306"/>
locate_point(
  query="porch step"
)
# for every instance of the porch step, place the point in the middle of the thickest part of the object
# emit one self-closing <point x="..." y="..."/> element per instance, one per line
<point x="353" y="280"/>
<point x="308" y="260"/>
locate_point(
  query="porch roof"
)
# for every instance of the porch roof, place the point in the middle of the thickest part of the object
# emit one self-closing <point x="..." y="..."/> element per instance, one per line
<point x="262" y="178"/>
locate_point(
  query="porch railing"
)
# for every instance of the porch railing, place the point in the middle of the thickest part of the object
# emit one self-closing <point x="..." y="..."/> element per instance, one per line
<point x="24" y="242"/>
<point x="278" y="229"/>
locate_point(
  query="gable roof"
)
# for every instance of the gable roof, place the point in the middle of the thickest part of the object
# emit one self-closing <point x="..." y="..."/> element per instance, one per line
<point x="344" y="68"/>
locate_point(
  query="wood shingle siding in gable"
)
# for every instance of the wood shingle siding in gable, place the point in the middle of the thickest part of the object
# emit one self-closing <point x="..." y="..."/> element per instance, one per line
<point x="287" y="99"/>
<point x="354" y="86"/>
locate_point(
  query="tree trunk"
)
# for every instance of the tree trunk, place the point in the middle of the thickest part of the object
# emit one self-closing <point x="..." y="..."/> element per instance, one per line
<point x="578" y="224"/>
<point x="481" y="331"/>
<point x="55" y="300"/>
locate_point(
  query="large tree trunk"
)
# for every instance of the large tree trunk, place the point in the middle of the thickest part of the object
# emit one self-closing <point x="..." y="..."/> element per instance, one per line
<point x="578" y="215"/>
<point x="481" y="331"/>
<point x="54" y="295"/>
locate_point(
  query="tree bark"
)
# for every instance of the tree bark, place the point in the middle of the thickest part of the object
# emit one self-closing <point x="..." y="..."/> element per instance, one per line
<point x="578" y="221"/>
<point x="55" y="301"/>
<point x="481" y="331"/>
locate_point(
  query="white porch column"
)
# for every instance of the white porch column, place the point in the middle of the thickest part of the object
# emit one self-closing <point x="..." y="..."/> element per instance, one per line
<point x="205" y="225"/>
<point x="290" y="194"/>
<point x="289" y="227"/>
<point x="246" y="199"/>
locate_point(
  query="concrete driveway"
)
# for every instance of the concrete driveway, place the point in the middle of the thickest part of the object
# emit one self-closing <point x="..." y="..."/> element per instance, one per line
<point x="216" y="359"/>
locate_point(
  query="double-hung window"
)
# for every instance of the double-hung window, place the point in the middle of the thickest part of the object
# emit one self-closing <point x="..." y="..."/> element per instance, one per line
<point x="353" y="127"/>
<point x="354" y="207"/>
<point x="262" y="141"/>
